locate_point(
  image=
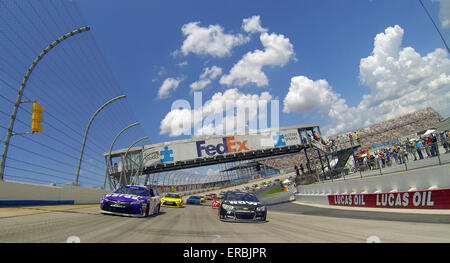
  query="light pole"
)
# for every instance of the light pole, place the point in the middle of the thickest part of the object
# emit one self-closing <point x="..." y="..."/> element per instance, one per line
<point x="124" y="170"/>
<point x="108" y="161"/>
<point x="141" y="166"/>
<point x="9" y="133"/>
<point x="86" y="132"/>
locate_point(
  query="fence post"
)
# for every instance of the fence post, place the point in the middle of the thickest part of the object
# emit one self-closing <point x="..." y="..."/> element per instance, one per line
<point x="437" y="152"/>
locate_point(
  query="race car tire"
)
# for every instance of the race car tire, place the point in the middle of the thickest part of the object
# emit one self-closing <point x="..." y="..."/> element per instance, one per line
<point x="221" y="217"/>
<point x="147" y="210"/>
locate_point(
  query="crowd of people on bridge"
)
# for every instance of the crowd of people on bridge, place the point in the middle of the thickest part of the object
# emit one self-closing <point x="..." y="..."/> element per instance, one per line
<point x="413" y="149"/>
<point x="386" y="140"/>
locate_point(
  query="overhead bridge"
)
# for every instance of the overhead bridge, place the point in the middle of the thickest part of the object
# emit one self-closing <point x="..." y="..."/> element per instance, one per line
<point x="207" y="150"/>
<point x="241" y="156"/>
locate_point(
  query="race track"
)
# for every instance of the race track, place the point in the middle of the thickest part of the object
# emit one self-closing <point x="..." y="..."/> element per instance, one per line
<point x="287" y="222"/>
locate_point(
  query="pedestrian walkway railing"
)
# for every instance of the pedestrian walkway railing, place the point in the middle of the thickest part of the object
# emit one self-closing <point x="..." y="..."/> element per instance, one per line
<point x="392" y="160"/>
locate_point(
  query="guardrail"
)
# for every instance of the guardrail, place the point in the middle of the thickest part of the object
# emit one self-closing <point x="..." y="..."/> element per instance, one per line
<point x="24" y="194"/>
<point x="389" y="162"/>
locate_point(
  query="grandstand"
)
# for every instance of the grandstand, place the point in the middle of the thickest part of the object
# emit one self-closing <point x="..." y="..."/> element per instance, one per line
<point x="286" y="161"/>
<point x="406" y="125"/>
<point x="240" y="172"/>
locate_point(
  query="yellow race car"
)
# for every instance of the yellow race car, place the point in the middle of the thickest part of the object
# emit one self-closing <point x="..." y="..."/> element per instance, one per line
<point x="172" y="200"/>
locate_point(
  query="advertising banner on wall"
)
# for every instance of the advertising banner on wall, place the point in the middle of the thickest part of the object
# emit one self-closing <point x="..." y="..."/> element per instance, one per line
<point x="423" y="199"/>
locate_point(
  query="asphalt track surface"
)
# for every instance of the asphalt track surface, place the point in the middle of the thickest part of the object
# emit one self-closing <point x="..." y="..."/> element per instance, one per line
<point x="288" y="222"/>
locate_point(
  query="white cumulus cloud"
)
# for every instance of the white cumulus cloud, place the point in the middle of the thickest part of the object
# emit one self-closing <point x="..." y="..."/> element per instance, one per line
<point x="306" y="95"/>
<point x="278" y="50"/>
<point x="253" y="25"/>
<point x="209" y="40"/>
<point x="444" y="12"/>
<point x="169" y="84"/>
<point x="206" y="77"/>
<point x="399" y="80"/>
<point x="218" y="115"/>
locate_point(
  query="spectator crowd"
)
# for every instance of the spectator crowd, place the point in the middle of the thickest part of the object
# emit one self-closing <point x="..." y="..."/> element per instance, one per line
<point x="390" y="142"/>
<point x="414" y="149"/>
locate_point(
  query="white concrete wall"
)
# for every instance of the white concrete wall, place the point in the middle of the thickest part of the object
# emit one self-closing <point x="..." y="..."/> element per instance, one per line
<point x="18" y="191"/>
<point x="435" y="177"/>
<point x="312" y="199"/>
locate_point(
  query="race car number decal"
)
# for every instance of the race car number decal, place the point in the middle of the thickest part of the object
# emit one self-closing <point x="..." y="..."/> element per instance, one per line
<point x="121" y="195"/>
<point x="242" y="203"/>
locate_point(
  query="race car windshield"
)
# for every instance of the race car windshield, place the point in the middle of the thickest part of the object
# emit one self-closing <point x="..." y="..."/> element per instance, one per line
<point x="172" y="196"/>
<point x="132" y="191"/>
<point x="241" y="197"/>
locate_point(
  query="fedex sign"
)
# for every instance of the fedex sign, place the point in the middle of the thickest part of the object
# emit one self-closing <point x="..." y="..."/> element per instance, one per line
<point x="228" y="145"/>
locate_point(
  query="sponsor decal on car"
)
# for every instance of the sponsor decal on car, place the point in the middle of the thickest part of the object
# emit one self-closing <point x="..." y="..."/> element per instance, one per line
<point x="239" y="202"/>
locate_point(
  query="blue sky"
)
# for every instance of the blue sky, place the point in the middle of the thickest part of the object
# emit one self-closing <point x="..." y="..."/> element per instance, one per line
<point x="342" y="64"/>
<point x="142" y="42"/>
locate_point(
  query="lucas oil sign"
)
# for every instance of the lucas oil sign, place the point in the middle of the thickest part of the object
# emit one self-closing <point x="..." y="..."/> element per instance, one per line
<point x="425" y="199"/>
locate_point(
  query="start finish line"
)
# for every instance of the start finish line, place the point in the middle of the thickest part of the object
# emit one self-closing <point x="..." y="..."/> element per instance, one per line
<point x="210" y="150"/>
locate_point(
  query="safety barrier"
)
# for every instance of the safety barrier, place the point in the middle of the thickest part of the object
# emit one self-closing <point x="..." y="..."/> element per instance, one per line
<point x="22" y="194"/>
<point x="423" y="199"/>
<point x="425" y="188"/>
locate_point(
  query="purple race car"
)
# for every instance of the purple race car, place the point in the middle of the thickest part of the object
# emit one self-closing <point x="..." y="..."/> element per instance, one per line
<point x="131" y="200"/>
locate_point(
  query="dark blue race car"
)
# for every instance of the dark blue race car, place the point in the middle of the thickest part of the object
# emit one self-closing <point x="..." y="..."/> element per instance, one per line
<point x="241" y="207"/>
<point x="194" y="200"/>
